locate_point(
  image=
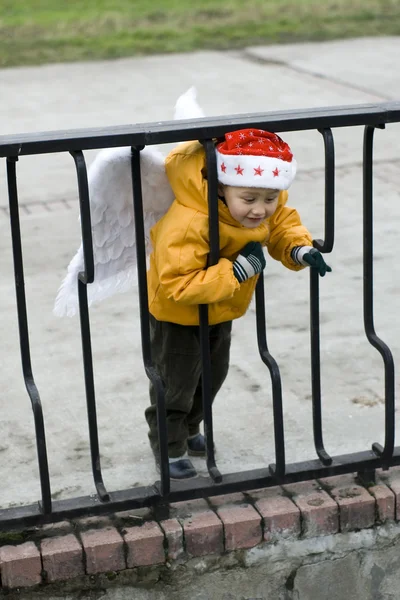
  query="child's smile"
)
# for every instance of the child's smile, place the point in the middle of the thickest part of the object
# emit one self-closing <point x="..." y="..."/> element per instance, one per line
<point x="250" y="206"/>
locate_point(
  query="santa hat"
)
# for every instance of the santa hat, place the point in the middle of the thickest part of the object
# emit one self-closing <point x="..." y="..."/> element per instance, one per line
<point x="255" y="158"/>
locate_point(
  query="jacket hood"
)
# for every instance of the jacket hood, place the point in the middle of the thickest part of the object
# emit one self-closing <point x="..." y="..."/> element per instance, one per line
<point x="187" y="174"/>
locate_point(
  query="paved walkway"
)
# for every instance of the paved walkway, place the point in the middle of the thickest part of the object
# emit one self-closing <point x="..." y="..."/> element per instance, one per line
<point x="145" y="89"/>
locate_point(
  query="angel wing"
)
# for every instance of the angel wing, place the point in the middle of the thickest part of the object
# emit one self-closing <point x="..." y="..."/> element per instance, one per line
<point x="111" y="208"/>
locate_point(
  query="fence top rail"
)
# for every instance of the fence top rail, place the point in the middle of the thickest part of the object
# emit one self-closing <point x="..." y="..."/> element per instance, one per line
<point x="163" y="132"/>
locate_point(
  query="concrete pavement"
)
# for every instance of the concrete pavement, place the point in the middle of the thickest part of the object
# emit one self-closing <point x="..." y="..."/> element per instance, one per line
<point x="133" y="90"/>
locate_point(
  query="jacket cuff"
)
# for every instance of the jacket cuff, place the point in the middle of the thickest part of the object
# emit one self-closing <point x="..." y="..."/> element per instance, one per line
<point x="297" y="254"/>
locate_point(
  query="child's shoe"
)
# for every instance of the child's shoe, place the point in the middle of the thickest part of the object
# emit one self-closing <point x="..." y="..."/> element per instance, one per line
<point x="196" y="445"/>
<point x="179" y="468"/>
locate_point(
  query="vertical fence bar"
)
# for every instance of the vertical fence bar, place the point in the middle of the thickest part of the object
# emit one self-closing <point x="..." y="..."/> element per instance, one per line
<point x="326" y="245"/>
<point x="85" y="277"/>
<point x="151" y="372"/>
<point x="279" y="468"/>
<point x="30" y="384"/>
<point x="316" y="369"/>
<point x="387" y="452"/>
<point x="323" y="246"/>
<point x="212" y="180"/>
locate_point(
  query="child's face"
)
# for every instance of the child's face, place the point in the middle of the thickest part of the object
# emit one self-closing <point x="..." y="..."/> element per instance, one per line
<point x="249" y="206"/>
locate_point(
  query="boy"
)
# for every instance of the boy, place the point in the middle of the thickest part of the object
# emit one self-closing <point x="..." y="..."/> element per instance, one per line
<point x="255" y="168"/>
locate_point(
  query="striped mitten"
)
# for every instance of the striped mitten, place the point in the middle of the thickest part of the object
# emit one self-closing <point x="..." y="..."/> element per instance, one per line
<point x="310" y="257"/>
<point x="249" y="262"/>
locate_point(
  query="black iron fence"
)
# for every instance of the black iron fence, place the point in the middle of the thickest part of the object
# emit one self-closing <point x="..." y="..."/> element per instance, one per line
<point x="163" y="492"/>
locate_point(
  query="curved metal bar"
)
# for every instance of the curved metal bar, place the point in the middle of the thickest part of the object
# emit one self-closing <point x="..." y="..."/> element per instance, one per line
<point x="30" y="384"/>
<point x="323" y="246"/>
<point x="316" y="369"/>
<point x="85" y="277"/>
<point x="270" y="362"/>
<point x="151" y="372"/>
<point x="326" y="245"/>
<point x="212" y="180"/>
<point x="387" y="452"/>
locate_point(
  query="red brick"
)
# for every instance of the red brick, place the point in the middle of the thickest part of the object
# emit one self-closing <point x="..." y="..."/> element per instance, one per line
<point x="227" y="499"/>
<point x="174" y="535"/>
<point x="129" y="518"/>
<point x="385" y="502"/>
<point x="392" y="479"/>
<point x="145" y="545"/>
<point x="184" y="510"/>
<point x="20" y="566"/>
<point x="356" y="505"/>
<point x="203" y="534"/>
<point x="104" y="550"/>
<point x="319" y="513"/>
<point x="280" y="515"/>
<point x="95" y="522"/>
<point x="62" y="558"/>
<point x="55" y="529"/>
<point x="242" y="526"/>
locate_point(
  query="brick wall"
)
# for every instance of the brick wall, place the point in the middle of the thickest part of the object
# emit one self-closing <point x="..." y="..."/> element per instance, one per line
<point x="209" y="527"/>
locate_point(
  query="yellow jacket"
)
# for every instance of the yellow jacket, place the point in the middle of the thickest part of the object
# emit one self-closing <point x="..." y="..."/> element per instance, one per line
<point x="178" y="279"/>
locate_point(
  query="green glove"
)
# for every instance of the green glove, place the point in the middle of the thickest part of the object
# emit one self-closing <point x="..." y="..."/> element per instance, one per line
<point x="250" y="262"/>
<point x="311" y="257"/>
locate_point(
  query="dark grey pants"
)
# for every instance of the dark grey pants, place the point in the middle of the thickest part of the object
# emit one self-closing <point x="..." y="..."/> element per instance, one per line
<point x="176" y="355"/>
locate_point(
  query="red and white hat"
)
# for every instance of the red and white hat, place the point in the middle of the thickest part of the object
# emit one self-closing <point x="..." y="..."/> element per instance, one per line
<point x="255" y="158"/>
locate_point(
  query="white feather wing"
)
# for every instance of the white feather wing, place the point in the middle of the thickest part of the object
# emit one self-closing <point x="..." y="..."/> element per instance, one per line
<point x="113" y="232"/>
<point x="186" y="106"/>
<point x="111" y="207"/>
